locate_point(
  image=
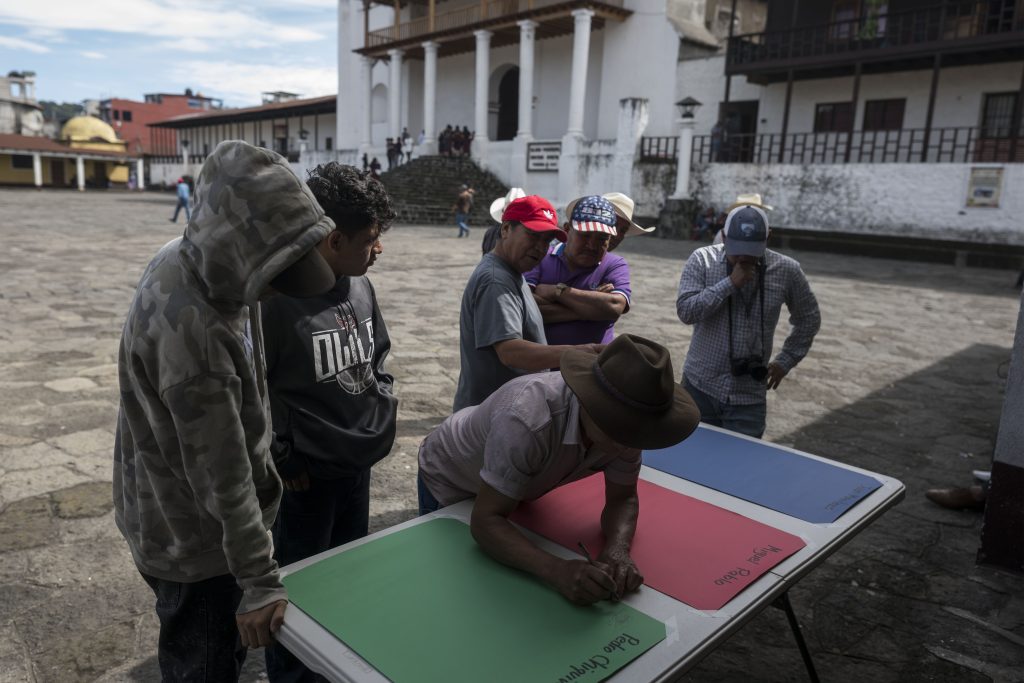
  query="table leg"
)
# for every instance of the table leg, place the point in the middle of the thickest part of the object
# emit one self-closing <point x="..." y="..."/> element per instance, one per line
<point x="782" y="602"/>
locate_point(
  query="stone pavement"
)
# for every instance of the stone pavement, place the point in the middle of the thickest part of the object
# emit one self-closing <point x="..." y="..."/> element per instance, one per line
<point x="906" y="378"/>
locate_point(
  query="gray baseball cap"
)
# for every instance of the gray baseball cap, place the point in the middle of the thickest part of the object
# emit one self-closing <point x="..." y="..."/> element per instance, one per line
<point x="746" y="232"/>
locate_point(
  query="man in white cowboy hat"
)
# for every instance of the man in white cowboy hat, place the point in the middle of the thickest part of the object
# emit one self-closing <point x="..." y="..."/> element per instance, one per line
<point x="580" y="288"/>
<point x="732" y="293"/>
<point x="541" y="431"/>
<point x="496" y="210"/>
<point x="624" y="225"/>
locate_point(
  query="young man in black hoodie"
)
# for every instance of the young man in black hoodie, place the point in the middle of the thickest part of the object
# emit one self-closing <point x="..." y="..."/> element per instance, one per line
<point x="332" y="401"/>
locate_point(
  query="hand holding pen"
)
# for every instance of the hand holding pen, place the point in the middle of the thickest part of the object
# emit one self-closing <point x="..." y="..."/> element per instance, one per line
<point x="610" y="583"/>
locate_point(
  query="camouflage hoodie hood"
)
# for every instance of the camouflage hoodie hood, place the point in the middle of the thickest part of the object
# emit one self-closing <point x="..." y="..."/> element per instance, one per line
<point x="253" y="218"/>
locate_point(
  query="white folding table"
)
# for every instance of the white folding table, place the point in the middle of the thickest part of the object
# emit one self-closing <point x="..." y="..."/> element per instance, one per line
<point x="691" y="634"/>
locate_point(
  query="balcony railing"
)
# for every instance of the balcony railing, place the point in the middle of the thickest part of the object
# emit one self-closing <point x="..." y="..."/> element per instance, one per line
<point x="463" y="17"/>
<point x="945" y="22"/>
<point x="659" y="150"/>
<point x="940" y="145"/>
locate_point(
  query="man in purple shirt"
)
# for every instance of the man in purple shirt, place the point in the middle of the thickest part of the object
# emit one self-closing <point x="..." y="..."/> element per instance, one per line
<point x="580" y="288"/>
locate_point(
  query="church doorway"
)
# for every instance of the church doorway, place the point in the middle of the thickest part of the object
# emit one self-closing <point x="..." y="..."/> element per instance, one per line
<point x="508" y="105"/>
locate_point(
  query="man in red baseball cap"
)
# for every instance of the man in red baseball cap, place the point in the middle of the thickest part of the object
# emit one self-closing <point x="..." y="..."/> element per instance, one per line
<point x="501" y="332"/>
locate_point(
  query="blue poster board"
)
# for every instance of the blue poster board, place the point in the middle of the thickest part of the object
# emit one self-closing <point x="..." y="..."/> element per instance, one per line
<point x="764" y="474"/>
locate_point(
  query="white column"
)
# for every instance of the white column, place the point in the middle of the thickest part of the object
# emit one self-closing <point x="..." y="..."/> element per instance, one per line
<point x="80" y="173"/>
<point x="429" y="97"/>
<point x="685" y="153"/>
<point x="395" y="93"/>
<point x="140" y="173"/>
<point x="37" y="169"/>
<point x="366" y="85"/>
<point x="483" y="73"/>
<point x="527" y="33"/>
<point x="580" y="57"/>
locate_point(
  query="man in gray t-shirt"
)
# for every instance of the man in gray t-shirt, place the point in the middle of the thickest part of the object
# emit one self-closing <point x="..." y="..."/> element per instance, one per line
<point x="501" y="332"/>
<point x="541" y="431"/>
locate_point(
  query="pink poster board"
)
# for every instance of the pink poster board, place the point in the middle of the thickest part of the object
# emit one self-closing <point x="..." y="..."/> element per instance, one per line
<point x="693" y="551"/>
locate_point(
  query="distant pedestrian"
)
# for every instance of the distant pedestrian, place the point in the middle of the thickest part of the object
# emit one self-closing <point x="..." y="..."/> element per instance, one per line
<point x="375" y="168"/>
<point x="717" y="137"/>
<point x="184" y="198"/>
<point x="366" y="163"/>
<point x="389" y="148"/>
<point x="407" y="148"/>
<point x="462" y="206"/>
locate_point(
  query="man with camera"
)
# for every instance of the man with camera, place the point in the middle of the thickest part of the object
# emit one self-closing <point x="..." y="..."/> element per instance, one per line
<point x="732" y="293"/>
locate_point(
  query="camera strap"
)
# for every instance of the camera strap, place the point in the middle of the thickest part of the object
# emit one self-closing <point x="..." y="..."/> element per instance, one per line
<point x="761" y="270"/>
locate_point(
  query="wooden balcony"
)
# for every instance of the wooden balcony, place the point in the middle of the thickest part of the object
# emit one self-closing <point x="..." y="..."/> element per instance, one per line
<point x="971" y="32"/>
<point x="453" y="29"/>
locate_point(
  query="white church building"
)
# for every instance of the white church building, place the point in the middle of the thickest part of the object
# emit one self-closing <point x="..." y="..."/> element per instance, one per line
<point x="886" y="119"/>
<point x="899" y="117"/>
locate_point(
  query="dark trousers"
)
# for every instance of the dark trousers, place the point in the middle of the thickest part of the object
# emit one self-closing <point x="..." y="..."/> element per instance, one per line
<point x="745" y="419"/>
<point x="427" y="501"/>
<point x="199" y="639"/>
<point x="331" y="513"/>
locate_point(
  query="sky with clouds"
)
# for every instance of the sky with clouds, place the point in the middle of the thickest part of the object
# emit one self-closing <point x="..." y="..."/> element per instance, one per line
<point x="94" y="49"/>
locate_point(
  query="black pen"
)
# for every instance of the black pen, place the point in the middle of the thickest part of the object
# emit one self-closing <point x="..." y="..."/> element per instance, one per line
<point x="590" y="561"/>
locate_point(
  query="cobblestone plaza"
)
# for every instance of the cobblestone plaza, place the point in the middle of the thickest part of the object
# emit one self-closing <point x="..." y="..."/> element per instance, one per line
<point x="905" y="378"/>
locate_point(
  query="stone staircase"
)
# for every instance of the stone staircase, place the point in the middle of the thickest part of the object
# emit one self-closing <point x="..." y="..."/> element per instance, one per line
<point x="424" y="189"/>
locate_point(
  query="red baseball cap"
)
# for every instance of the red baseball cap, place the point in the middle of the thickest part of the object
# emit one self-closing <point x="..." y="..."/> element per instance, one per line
<point x="535" y="213"/>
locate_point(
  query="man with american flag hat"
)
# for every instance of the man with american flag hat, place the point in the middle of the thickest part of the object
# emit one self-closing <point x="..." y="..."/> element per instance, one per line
<point x="580" y="288"/>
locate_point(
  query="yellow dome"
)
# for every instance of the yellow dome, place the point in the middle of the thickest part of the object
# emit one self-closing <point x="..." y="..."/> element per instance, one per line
<point x="87" y="129"/>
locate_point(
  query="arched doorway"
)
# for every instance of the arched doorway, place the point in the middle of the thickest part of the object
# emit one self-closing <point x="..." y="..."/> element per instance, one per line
<point x="508" y="105"/>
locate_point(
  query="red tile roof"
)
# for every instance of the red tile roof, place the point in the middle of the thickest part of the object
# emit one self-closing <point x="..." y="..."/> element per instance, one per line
<point x="291" y="106"/>
<point x="29" y="143"/>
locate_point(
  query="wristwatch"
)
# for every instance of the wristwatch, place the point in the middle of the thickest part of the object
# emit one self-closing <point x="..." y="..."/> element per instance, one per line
<point x="559" y="288"/>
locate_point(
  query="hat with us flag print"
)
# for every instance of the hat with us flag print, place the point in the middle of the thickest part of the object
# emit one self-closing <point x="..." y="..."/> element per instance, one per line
<point x="593" y="214"/>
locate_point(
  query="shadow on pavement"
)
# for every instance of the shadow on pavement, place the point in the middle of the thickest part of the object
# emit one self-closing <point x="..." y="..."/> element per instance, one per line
<point x="890" y="605"/>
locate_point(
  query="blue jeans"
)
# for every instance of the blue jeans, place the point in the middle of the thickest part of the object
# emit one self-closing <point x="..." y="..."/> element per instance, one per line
<point x="427" y="501"/>
<point x="330" y="513"/>
<point x="746" y="419"/>
<point x="461" y="221"/>
<point x="199" y="639"/>
<point x="182" y="204"/>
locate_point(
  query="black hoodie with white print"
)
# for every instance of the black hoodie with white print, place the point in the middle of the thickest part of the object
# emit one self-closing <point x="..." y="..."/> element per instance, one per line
<point x="332" y="400"/>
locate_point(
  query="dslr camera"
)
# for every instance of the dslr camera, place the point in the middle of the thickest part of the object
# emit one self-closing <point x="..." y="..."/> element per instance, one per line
<point x="751" y="365"/>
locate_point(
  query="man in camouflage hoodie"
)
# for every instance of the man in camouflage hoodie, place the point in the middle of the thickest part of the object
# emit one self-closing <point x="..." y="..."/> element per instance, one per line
<point x="195" y="490"/>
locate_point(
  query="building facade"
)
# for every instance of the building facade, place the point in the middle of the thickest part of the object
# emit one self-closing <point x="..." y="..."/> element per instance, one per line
<point x="899" y="118"/>
<point x="131" y="118"/>
<point x="302" y="130"/>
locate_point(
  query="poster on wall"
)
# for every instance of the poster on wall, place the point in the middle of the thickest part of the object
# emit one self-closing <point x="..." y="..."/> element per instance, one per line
<point x="984" y="186"/>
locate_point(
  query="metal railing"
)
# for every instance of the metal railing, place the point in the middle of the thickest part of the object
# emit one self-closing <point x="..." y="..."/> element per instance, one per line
<point x="659" y="150"/>
<point x="464" y="17"/>
<point x="912" y="145"/>
<point x="943" y="22"/>
<point x="543" y="156"/>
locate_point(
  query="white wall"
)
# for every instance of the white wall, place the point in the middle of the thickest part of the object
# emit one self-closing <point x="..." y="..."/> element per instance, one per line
<point x="958" y="98"/>
<point x="638" y="60"/>
<point x="704" y="80"/>
<point x="905" y="200"/>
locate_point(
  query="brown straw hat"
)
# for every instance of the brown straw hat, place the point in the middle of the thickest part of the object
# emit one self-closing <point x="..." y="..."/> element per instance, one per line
<point x="630" y="392"/>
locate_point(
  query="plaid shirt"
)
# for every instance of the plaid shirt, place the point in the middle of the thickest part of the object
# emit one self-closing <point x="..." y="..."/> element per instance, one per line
<point x="704" y="293"/>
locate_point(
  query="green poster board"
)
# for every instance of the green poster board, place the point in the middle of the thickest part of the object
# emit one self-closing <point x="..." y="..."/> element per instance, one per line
<point x="426" y="604"/>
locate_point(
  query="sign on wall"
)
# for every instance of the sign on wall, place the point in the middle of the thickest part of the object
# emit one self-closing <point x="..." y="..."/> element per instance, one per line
<point x="984" y="187"/>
